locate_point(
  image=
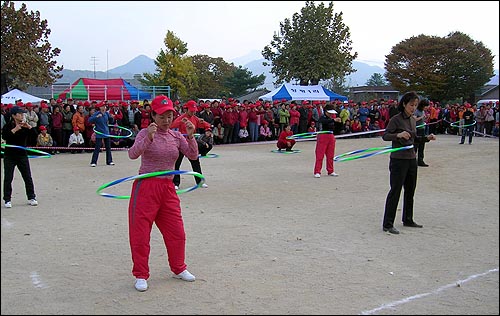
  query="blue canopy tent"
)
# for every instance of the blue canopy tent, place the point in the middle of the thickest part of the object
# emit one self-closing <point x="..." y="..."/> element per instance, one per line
<point x="291" y="92"/>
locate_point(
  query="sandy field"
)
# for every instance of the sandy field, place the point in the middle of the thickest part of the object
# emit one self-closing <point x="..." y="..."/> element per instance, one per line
<point x="265" y="237"/>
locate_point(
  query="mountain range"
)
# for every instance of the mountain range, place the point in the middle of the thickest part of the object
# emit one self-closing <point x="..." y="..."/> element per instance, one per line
<point x="252" y="61"/>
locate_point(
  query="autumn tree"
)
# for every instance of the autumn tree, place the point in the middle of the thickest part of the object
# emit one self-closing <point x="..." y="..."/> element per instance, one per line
<point x="441" y="68"/>
<point x="376" y="80"/>
<point x="212" y="74"/>
<point x="27" y="55"/>
<point x="173" y="68"/>
<point x="314" y="45"/>
<point x="242" y="81"/>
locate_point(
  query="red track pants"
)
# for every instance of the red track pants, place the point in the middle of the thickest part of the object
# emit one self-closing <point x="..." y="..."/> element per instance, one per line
<point x="325" y="145"/>
<point x="155" y="200"/>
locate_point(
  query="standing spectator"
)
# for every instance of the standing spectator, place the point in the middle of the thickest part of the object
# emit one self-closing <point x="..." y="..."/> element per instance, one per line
<point x="16" y="132"/>
<point x="67" y="124"/>
<point x="420" y="118"/>
<point x="32" y="119"/>
<point x="57" y="126"/>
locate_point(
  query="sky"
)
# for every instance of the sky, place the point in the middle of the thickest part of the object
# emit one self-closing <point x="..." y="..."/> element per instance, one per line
<point x="102" y="35"/>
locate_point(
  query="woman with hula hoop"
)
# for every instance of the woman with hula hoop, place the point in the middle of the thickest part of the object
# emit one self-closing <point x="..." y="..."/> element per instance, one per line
<point x="325" y="142"/>
<point x="101" y="119"/>
<point x="468" y="126"/>
<point x="155" y="199"/>
<point x="17" y="133"/>
<point x="402" y="131"/>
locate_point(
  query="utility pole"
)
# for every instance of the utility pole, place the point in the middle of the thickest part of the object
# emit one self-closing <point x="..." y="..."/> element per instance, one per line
<point x="93" y="59"/>
<point x="107" y="67"/>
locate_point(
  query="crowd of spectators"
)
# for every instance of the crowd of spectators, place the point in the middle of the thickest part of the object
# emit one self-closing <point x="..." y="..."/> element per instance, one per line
<point x="232" y="121"/>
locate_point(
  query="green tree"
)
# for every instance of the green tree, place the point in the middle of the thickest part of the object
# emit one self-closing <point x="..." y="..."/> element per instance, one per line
<point x="441" y="68"/>
<point x="212" y="74"/>
<point x="315" y="45"/>
<point x="338" y="86"/>
<point x="174" y="68"/>
<point x="376" y="80"/>
<point x="242" y="81"/>
<point x="27" y="55"/>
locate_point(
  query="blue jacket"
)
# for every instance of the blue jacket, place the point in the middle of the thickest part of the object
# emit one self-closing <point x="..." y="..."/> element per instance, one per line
<point x="101" y="124"/>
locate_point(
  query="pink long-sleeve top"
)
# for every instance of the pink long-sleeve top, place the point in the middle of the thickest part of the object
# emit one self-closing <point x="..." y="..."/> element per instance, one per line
<point x="162" y="152"/>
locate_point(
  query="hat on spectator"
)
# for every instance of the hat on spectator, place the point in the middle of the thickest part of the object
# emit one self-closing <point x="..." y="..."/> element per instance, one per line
<point x="29" y="105"/>
<point x="42" y="128"/>
<point x="161" y="104"/>
<point x="17" y="109"/>
<point x="76" y="128"/>
<point x="191" y="106"/>
<point x="59" y="101"/>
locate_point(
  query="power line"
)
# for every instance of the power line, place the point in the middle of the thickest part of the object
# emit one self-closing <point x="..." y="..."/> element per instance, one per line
<point x="93" y="59"/>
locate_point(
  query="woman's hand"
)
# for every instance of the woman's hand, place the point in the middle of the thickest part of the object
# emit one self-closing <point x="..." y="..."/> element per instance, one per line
<point x="152" y="128"/>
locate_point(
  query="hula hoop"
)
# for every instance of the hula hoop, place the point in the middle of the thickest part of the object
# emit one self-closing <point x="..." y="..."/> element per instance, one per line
<point x="293" y="151"/>
<point x="454" y="124"/>
<point x="115" y="136"/>
<point x="426" y="124"/>
<point x="371" y="152"/>
<point x="150" y="175"/>
<point x="44" y="154"/>
<point x="208" y="156"/>
<point x="194" y="135"/>
<point x="308" y="135"/>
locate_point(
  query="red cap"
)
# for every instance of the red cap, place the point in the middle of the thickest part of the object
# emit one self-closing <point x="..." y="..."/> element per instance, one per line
<point x="191" y="106"/>
<point x="161" y="104"/>
<point x="76" y="128"/>
<point x="42" y="128"/>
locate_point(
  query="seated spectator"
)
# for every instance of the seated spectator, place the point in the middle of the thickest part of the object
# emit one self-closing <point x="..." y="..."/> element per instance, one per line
<point x="218" y="133"/>
<point x="312" y="128"/>
<point x="76" y="140"/>
<point x="205" y="142"/>
<point x="265" y="132"/>
<point x="130" y="141"/>
<point x="243" y="135"/>
<point x="117" y="142"/>
<point x="44" y="139"/>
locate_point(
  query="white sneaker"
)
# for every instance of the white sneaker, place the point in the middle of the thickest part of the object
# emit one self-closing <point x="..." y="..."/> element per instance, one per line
<point x="317" y="175"/>
<point x="141" y="285"/>
<point x="33" y="202"/>
<point x="111" y="164"/>
<point x="8" y="204"/>
<point x="177" y="187"/>
<point x="333" y="174"/>
<point x="185" y="275"/>
<point x="93" y="165"/>
<point x="204" y="185"/>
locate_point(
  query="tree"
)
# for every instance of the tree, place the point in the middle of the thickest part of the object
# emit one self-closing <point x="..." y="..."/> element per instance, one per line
<point x="212" y="74"/>
<point x="242" y="81"/>
<point x="338" y="85"/>
<point x="314" y="46"/>
<point x="376" y="80"/>
<point x="27" y="55"/>
<point x="174" y="69"/>
<point x="441" y="68"/>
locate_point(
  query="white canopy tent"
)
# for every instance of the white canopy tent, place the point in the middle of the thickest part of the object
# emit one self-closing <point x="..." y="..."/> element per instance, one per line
<point x="290" y="92"/>
<point x="15" y="94"/>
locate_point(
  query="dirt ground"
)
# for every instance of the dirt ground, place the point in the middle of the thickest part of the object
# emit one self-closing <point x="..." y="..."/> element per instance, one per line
<point x="265" y="237"/>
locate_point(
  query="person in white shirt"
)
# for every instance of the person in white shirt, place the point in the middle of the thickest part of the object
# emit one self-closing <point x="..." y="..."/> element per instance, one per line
<point x="76" y="140"/>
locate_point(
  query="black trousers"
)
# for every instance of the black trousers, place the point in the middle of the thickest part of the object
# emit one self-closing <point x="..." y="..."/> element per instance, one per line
<point x="403" y="174"/>
<point x="23" y="164"/>
<point x="419" y="148"/>
<point x="195" y="165"/>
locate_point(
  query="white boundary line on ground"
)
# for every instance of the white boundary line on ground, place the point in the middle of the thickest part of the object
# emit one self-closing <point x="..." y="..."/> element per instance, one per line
<point x="411" y="298"/>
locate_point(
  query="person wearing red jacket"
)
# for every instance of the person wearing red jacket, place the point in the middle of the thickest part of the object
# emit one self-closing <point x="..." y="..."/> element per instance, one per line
<point x="283" y="142"/>
<point x="180" y="124"/>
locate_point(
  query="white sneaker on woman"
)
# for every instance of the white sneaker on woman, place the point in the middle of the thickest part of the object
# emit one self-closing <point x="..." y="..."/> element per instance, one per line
<point x="141" y="285"/>
<point x="185" y="275"/>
